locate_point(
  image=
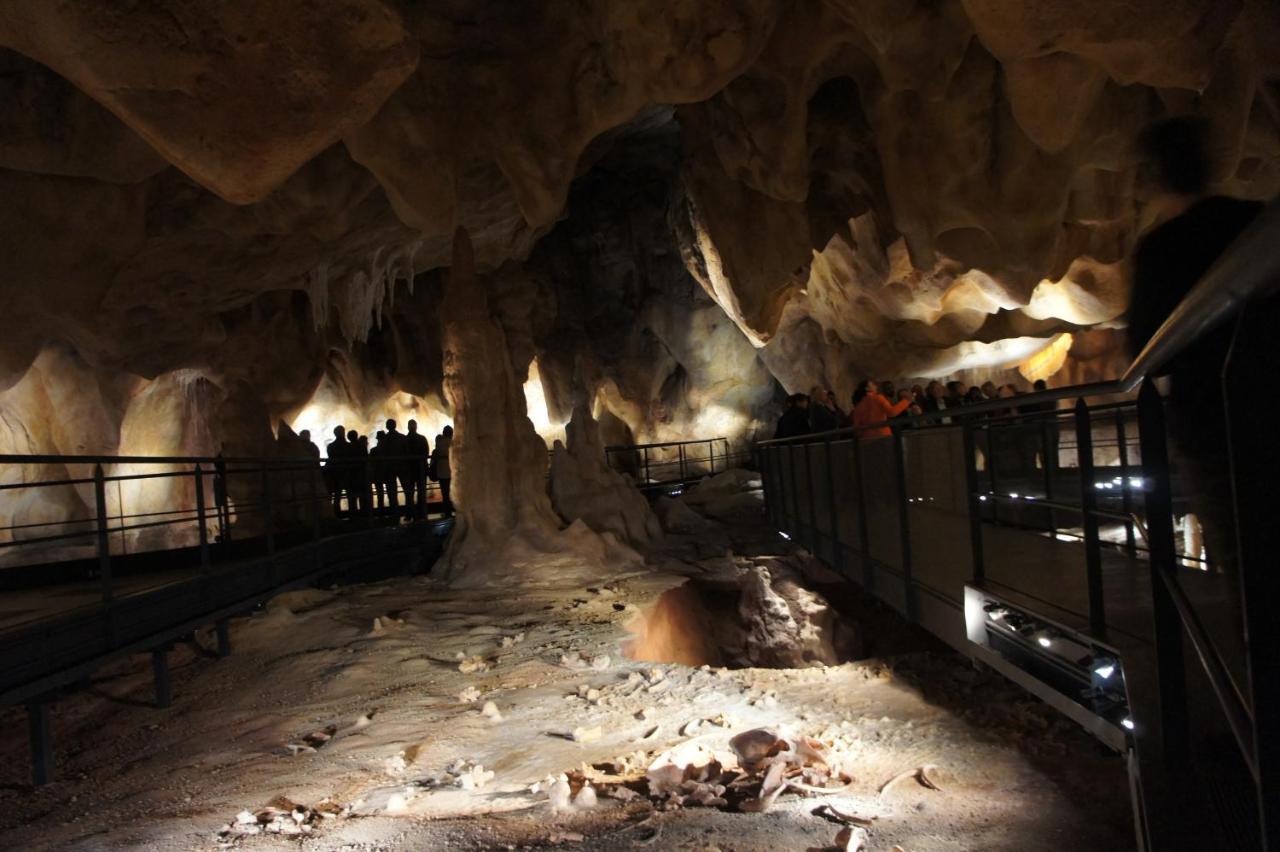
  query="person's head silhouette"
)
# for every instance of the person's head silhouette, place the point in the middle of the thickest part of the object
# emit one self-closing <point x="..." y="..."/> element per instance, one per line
<point x="412" y="426"/>
<point x="353" y="436"/>
<point x="339" y="432"/>
<point x="448" y="431"/>
<point x="305" y="435"/>
<point x="391" y="425"/>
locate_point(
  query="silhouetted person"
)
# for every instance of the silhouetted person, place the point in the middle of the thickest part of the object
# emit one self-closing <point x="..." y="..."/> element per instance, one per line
<point x="393" y="458"/>
<point x="1168" y="263"/>
<point x="357" y="472"/>
<point x="338" y="453"/>
<point x="955" y="394"/>
<point x="305" y="437"/>
<point x="823" y="416"/>
<point x="441" y="467"/>
<point x="795" y="420"/>
<point x="378" y="472"/>
<point x="418" y="453"/>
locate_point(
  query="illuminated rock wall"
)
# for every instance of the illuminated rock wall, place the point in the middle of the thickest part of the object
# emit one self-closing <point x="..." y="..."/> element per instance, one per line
<point x="685" y="210"/>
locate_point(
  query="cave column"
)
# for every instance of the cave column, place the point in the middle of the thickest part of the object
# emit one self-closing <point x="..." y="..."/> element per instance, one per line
<point x="499" y="462"/>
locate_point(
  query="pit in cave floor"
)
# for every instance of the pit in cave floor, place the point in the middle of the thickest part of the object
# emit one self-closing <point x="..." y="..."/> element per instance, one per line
<point x="403" y="715"/>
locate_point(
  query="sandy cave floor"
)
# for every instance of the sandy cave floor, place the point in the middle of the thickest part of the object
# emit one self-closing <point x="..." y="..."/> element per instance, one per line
<point x="385" y="707"/>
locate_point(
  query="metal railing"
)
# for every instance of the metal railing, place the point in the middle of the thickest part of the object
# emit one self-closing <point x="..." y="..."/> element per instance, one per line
<point x="851" y="501"/>
<point x="671" y="463"/>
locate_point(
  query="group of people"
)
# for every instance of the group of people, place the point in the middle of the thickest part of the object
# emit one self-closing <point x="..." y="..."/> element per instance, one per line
<point x="874" y="403"/>
<point x="374" y="477"/>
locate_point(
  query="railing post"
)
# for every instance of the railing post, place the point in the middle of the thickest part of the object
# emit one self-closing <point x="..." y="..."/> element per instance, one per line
<point x="645" y="451"/>
<point x="1048" y="445"/>
<point x="1130" y="541"/>
<point x="313" y="496"/>
<point x="1089" y="515"/>
<point x="200" y="520"/>
<point x="864" y="546"/>
<point x="104" y="542"/>
<point x="711" y="457"/>
<point x="684" y="475"/>
<point x="794" y="519"/>
<point x="41" y="738"/>
<point x="813" y="501"/>
<point x="1252" y="439"/>
<point x="904" y="524"/>
<point x="975" y="502"/>
<point x="991" y="472"/>
<point x="1171" y="680"/>
<point x="837" y="550"/>
<point x="268" y="513"/>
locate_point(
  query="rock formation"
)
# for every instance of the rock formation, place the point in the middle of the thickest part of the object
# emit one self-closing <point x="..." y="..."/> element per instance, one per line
<point x="681" y="211"/>
<point x="584" y="487"/>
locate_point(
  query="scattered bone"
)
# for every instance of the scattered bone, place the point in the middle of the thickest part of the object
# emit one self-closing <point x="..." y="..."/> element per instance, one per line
<point x="754" y="746"/>
<point x="601" y="662"/>
<point x="833" y="813"/>
<point x="490" y="711"/>
<point x="851" y="839"/>
<point x="473" y="664"/>
<point x="469" y="695"/>
<point x="586" y="735"/>
<point x="920" y="773"/>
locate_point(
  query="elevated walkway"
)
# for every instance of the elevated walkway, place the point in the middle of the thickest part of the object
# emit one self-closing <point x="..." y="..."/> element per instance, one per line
<point x="171" y="545"/>
<point x="1041" y="541"/>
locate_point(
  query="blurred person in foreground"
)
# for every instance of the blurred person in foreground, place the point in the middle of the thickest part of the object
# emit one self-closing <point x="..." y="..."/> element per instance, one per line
<point x="1169" y="261"/>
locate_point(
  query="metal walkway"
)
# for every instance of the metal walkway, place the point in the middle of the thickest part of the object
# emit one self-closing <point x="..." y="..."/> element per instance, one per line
<point x="147" y="553"/>
<point x="1042" y="543"/>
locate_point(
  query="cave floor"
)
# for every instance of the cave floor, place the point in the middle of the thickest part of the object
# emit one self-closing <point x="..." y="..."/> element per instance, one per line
<point x="376" y="721"/>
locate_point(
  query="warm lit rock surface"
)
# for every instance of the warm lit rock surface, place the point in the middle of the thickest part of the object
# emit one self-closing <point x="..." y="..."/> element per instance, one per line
<point x="263" y="197"/>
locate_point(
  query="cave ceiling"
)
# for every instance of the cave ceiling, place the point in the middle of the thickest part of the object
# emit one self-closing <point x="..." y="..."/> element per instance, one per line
<point x="680" y="209"/>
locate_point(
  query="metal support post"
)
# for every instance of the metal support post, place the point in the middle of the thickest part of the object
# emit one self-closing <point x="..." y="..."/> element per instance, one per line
<point x="222" y="629"/>
<point x="975" y="503"/>
<point x="1252" y="440"/>
<point x="41" y="742"/>
<point x="268" y="512"/>
<point x="104" y="542"/>
<point x="1089" y="516"/>
<point x="864" y="547"/>
<point x="837" y="549"/>
<point x="160" y="669"/>
<point x="793" y="521"/>
<point x="1171" y="726"/>
<point x="814" y="538"/>
<point x="1126" y="492"/>
<point x="904" y="524"/>
<point x="1049" y="457"/>
<point x="684" y="475"/>
<point x="200" y="520"/>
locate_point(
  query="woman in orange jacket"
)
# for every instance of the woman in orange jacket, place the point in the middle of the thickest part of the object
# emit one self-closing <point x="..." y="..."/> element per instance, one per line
<point x="870" y="406"/>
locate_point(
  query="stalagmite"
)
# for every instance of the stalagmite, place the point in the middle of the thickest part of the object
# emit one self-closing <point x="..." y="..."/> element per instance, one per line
<point x="505" y="520"/>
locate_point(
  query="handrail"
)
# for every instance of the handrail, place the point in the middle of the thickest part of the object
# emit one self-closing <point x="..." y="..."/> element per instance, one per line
<point x="618" y="448"/>
<point x="1249" y="268"/>
<point x="301" y="462"/>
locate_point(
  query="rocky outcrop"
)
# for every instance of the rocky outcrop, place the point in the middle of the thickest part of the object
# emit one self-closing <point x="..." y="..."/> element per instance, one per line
<point x="584" y="487"/>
